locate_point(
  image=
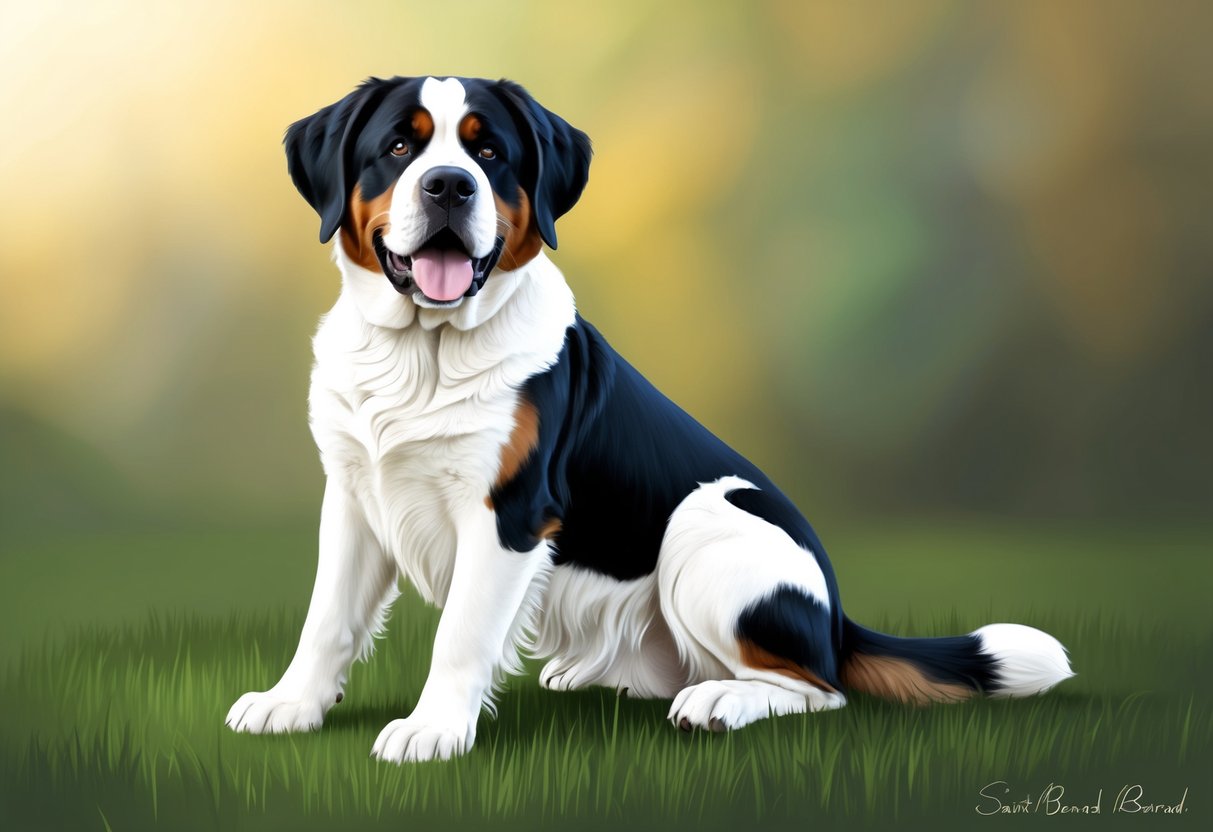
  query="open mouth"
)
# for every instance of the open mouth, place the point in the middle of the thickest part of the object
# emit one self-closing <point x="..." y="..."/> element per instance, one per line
<point x="440" y="269"/>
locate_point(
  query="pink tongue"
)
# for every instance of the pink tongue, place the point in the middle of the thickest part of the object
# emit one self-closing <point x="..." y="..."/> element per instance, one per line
<point x="442" y="275"/>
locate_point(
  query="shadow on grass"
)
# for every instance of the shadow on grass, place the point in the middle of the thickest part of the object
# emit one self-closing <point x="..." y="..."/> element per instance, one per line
<point x="354" y="718"/>
<point x="522" y="711"/>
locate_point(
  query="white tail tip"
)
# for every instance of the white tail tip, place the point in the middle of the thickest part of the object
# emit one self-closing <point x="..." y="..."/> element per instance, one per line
<point x="1028" y="661"/>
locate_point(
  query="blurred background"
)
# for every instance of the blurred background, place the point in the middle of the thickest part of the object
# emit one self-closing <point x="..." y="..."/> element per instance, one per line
<point x="928" y="263"/>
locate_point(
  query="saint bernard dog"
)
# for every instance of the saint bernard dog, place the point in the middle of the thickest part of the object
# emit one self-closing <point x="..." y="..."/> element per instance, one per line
<point x="484" y="441"/>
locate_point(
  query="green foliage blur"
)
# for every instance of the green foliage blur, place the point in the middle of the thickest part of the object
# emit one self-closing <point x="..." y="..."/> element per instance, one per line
<point x="929" y="258"/>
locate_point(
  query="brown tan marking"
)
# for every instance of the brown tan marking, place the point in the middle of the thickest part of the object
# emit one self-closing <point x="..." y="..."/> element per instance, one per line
<point x="756" y="657"/>
<point x="898" y="679"/>
<point x="549" y="529"/>
<point x="363" y="219"/>
<point x="523" y="439"/>
<point x="522" y="240"/>
<point x="469" y="128"/>
<point x="423" y="125"/>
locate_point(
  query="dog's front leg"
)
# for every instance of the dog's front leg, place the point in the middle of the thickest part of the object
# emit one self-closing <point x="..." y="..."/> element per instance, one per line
<point x="354" y="579"/>
<point x="480" y="621"/>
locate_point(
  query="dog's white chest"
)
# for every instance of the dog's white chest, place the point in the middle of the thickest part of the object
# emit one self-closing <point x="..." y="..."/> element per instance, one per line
<point x="411" y="425"/>
<point x="411" y="421"/>
<point x="413" y="496"/>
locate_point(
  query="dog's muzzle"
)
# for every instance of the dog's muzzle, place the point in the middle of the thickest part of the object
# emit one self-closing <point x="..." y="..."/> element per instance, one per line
<point x="441" y="263"/>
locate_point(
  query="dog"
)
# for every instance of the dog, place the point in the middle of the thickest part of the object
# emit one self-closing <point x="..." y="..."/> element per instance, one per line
<point x="485" y="442"/>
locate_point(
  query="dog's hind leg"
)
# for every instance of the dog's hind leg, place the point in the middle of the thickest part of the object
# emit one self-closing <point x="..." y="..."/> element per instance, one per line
<point x="750" y="612"/>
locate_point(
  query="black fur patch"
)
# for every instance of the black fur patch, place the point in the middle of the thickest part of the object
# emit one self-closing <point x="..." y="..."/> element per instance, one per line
<point x="955" y="660"/>
<point x="779" y="511"/>
<point x="614" y="459"/>
<point x="791" y="624"/>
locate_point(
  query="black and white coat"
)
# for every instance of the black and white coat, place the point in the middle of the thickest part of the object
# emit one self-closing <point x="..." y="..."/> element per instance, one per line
<point x="488" y="445"/>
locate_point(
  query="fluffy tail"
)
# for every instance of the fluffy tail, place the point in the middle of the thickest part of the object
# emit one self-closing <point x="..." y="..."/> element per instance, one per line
<point x="999" y="660"/>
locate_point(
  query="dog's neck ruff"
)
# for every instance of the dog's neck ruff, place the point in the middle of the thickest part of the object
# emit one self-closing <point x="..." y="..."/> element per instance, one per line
<point x="388" y="371"/>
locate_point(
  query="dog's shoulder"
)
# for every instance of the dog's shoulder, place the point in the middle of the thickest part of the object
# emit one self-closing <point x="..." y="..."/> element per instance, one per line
<point x="609" y="460"/>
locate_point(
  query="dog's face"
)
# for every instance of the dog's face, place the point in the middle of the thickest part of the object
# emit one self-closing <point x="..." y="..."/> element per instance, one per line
<point x="437" y="182"/>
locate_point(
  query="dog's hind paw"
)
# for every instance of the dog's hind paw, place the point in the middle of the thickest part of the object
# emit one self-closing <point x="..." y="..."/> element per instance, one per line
<point x="732" y="703"/>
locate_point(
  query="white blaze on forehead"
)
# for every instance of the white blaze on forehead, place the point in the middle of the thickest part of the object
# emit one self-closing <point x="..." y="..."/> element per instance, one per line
<point x="409" y="226"/>
<point x="447" y="104"/>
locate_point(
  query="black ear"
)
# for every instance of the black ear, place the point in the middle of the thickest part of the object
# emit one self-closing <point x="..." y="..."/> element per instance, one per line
<point x="317" y="157"/>
<point x="559" y="163"/>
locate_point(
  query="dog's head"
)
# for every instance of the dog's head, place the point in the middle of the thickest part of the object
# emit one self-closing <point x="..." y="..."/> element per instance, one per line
<point x="436" y="182"/>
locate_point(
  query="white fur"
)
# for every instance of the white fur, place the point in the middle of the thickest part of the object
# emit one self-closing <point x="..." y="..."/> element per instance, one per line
<point x="601" y="631"/>
<point x="729" y="704"/>
<point x="1029" y="661"/>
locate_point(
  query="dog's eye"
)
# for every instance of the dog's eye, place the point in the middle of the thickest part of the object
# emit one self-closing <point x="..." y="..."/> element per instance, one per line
<point x="400" y="148"/>
<point x="487" y="152"/>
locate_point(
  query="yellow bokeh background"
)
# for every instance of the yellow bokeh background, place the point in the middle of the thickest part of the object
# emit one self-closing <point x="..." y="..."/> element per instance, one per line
<point x="908" y="256"/>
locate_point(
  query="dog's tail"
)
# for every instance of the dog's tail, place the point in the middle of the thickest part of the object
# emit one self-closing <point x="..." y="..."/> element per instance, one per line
<point x="999" y="660"/>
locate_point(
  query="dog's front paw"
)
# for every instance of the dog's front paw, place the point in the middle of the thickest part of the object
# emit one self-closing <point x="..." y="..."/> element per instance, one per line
<point x="271" y="712"/>
<point x="418" y="740"/>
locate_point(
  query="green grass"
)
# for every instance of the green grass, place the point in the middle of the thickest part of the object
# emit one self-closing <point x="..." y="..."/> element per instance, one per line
<point x="129" y="721"/>
<point x="120" y="727"/>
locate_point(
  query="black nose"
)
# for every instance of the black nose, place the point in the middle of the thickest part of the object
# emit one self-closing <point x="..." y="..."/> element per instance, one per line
<point x="448" y="186"/>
